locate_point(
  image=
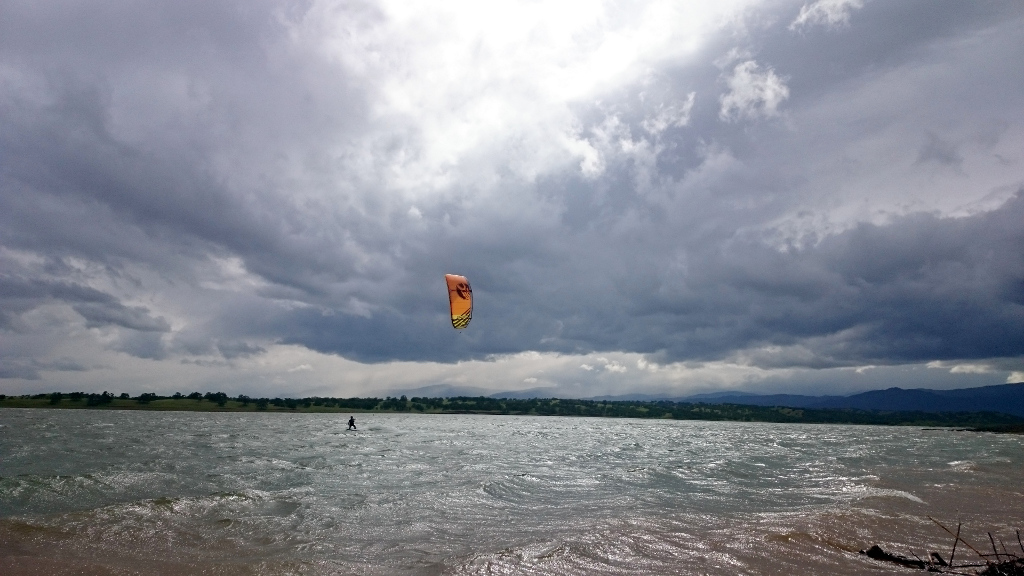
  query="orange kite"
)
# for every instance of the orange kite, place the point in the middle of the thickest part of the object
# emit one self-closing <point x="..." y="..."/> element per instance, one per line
<point x="460" y="297"/>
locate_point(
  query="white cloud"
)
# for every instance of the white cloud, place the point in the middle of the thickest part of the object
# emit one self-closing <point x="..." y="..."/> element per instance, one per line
<point x="643" y="364"/>
<point x="830" y="13"/>
<point x="970" y="369"/>
<point x="753" y="93"/>
<point x="615" y="367"/>
<point x="730" y="57"/>
<point x="1015" y="377"/>
<point x="676" y="114"/>
<point x="461" y="84"/>
<point x="961" y="368"/>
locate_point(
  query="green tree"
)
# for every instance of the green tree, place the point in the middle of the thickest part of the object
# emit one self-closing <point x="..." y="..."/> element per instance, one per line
<point x="219" y="398"/>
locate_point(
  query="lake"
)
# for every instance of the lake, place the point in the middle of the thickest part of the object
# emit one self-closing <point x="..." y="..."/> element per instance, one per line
<point x="133" y="492"/>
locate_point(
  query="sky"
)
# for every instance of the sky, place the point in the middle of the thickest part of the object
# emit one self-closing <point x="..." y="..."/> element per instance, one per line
<point x="648" y="197"/>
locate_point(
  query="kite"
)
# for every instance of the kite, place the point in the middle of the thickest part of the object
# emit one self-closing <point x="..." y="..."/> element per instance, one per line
<point x="460" y="297"/>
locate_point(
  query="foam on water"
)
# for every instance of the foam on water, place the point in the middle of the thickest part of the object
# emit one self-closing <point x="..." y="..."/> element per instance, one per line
<point x="184" y="493"/>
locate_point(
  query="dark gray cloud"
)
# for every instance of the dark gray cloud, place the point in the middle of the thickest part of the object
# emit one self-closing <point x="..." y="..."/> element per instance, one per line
<point x="28" y="369"/>
<point x="937" y="150"/>
<point x="201" y="183"/>
<point x="916" y="289"/>
<point x="98" y="308"/>
<point x="134" y="317"/>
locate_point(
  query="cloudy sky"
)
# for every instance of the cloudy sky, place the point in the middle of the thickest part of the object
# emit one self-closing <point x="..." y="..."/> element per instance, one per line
<point x="663" y="197"/>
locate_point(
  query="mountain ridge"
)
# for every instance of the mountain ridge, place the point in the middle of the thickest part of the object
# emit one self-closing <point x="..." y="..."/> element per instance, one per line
<point x="1003" y="398"/>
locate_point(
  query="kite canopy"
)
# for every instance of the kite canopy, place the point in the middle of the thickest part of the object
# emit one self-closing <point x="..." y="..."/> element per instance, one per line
<point x="460" y="297"/>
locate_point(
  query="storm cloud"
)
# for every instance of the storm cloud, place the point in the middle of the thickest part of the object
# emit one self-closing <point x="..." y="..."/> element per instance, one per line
<point x="738" y="194"/>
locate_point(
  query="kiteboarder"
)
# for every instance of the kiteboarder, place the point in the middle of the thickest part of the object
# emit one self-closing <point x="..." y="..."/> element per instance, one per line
<point x="352" y="423"/>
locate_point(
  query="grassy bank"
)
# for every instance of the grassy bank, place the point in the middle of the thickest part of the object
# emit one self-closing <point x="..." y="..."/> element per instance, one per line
<point x="220" y="402"/>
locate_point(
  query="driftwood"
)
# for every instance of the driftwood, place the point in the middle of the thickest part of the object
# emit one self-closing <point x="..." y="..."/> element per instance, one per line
<point x="1005" y="563"/>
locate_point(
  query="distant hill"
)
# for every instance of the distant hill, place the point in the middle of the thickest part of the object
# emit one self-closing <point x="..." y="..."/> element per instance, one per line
<point x="787" y="400"/>
<point x="1004" y="398"/>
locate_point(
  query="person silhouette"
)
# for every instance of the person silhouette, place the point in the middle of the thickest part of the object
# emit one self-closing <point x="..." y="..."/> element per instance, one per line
<point x="352" y="423"/>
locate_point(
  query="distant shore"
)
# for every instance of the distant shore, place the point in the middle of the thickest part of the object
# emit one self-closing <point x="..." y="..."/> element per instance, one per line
<point x="221" y="402"/>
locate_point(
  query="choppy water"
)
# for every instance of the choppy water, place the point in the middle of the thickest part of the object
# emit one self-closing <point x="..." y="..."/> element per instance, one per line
<point x="106" y="492"/>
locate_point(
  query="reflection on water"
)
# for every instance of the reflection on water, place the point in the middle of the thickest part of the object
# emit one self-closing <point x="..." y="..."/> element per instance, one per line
<point x="185" y="493"/>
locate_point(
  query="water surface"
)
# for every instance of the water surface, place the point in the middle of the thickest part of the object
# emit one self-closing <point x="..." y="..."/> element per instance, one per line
<point x="118" y="492"/>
